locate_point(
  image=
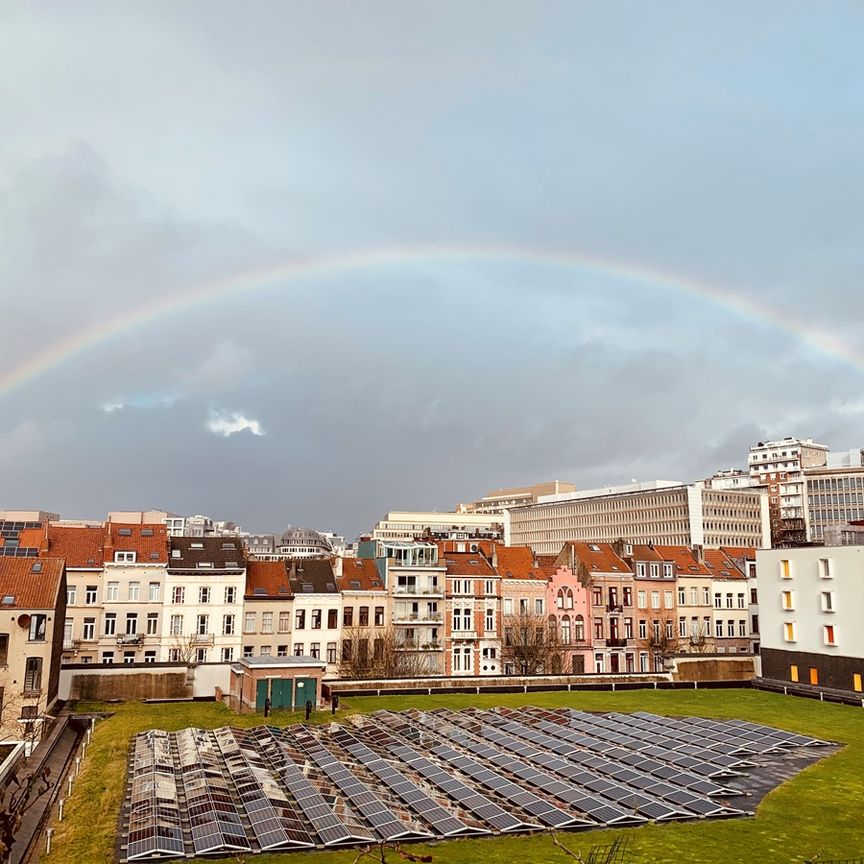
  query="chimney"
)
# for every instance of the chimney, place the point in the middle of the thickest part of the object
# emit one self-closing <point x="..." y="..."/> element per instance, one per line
<point x="699" y="554"/>
<point x="337" y="567"/>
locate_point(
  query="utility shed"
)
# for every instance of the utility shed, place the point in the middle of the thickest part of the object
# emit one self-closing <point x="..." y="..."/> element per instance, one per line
<point x="289" y="682"/>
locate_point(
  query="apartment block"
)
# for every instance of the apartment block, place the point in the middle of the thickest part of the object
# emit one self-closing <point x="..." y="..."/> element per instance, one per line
<point x="811" y="607"/>
<point x="664" y="513"/>
<point x="317" y="611"/>
<point x="834" y="497"/>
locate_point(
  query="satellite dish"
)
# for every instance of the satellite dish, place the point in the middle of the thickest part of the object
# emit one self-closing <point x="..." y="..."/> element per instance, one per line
<point x="24" y="620"/>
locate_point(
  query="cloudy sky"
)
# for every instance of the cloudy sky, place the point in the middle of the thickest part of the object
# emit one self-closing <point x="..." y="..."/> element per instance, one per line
<point x="291" y="262"/>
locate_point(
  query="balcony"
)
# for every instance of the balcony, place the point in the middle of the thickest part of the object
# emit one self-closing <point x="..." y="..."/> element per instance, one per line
<point x="614" y="607"/>
<point x="417" y="591"/>
<point x="411" y="619"/>
<point x="463" y="634"/>
<point x="616" y="643"/>
<point x="130" y="639"/>
<point x="203" y="639"/>
<point x="419" y="645"/>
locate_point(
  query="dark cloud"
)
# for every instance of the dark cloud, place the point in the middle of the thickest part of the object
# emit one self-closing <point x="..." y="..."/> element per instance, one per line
<point x="175" y="145"/>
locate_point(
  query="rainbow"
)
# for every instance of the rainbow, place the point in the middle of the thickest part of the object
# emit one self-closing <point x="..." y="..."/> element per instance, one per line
<point x="62" y="350"/>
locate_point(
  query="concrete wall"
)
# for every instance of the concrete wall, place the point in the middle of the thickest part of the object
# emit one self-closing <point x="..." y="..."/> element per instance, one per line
<point x="713" y="669"/>
<point x="143" y="681"/>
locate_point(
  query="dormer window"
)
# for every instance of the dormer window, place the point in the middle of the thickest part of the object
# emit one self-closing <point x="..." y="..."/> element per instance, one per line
<point x="146" y="532"/>
<point x="125" y="532"/>
<point x="176" y="553"/>
<point x="124" y="557"/>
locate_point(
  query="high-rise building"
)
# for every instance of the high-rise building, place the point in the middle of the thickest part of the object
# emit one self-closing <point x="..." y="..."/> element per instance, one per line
<point x="834" y="494"/>
<point x="498" y="500"/>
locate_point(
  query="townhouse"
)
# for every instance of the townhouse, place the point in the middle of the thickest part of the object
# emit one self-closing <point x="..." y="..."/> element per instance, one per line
<point x="472" y="615"/>
<point x="568" y="599"/>
<point x="134" y="560"/>
<point x="523" y="589"/>
<point x="268" y="609"/>
<point x="33" y="609"/>
<point x="365" y="598"/>
<point x="317" y="611"/>
<point x="731" y="609"/>
<point x="654" y="584"/>
<point x="695" y="598"/>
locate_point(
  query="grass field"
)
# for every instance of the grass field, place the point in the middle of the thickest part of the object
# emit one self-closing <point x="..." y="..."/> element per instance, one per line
<point x="820" y="810"/>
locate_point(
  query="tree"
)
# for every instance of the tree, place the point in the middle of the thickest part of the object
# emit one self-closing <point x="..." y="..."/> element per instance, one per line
<point x="377" y="652"/>
<point x="661" y="644"/>
<point x="185" y="649"/>
<point x="531" y="645"/>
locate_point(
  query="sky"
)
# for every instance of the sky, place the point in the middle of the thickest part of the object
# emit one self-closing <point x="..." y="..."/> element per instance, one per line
<point x="305" y="263"/>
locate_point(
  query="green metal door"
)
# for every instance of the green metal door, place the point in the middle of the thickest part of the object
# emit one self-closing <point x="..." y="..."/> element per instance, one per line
<point x="261" y="695"/>
<point x="281" y="693"/>
<point x="304" y="689"/>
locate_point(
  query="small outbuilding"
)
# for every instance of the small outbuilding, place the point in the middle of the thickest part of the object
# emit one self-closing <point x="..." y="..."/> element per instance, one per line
<point x="288" y="682"/>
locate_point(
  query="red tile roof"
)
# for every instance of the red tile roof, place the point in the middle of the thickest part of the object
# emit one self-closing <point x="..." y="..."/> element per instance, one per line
<point x="646" y="553"/>
<point x="747" y="552"/>
<point x="721" y="565"/>
<point x="467" y="564"/>
<point x="81" y="547"/>
<point x="598" y="557"/>
<point x="548" y="564"/>
<point x="517" y="562"/>
<point x="29" y="588"/>
<point x="267" y="579"/>
<point x="32" y="538"/>
<point x="359" y="574"/>
<point x="150" y="542"/>
<point x="684" y="560"/>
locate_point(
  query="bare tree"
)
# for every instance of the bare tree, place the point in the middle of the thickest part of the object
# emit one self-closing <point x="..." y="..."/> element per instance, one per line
<point x="185" y="648"/>
<point x="531" y="645"/>
<point x="378" y="652"/>
<point x="661" y="644"/>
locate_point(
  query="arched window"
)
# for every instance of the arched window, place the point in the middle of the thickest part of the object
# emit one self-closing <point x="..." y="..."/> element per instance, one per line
<point x="565" y="630"/>
<point x="559" y="600"/>
<point x="568" y="599"/>
<point x="579" y="629"/>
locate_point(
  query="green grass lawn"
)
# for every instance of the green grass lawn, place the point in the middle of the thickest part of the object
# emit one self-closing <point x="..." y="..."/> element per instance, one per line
<point x="820" y="810"/>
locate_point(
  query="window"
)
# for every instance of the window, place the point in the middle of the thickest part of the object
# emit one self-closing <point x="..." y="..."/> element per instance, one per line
<point x="379" y="616"/>
<point x="281" y="650"/>
<point x="284" y="621"/>
<point x="489" y="621"/>
<point x="740" y="599"/>
<point x="201" y="655"/>
<point x="178" y="594"/>
<point x="742" y="627"/>
<point x="131" y="623"/>
<point x="90" y="595"/>
<point x="70" y="595"/>
<point x="149" y="656"/>
<point x="248" y="650"/>
<point x="153" y="592"/>
<point x="227" y="655"/>
<point x="508" y="605"/>
<point x="33" y="675"/>
<point x="298" y="649"/>
<point x="682" y="596"/>
<point x="204" y="594"/>
<point x="134" y="591"/>
<point x="655" y="599"/>
<point x="124" y="557"/>
<point x="718" y="601"/>
<point x="754" y="624"/>
<point x="628" y="626"/>
<point x="300" y="619"/>
<point x="825" y="571"/>
<point x="112" y="593"/>
<point x="694" y="596"/>
<point x="828" y="634"/>
<point x="176" y="625"/>
<point x="730" y="628"/>
<point x="667" y="571"/>
<point x="669" y="629"/>
<point x="249" y="622"/>
<point x="642" y="597"/>
<point x="787" y="600"/>
<point x="230" y="595"/>
<point x="579" y="629"/>
<point x="315" y="619"/>
<point x="38" y="623"/>
<point x="364" y="616"/>
<point x="706" y="596"/>
<point x="348" y="616"/>
<point x="789" y="631"/>
<point x="565" y="630"/>
<point x="463" y="660"/>
<point x="331" y="652"/>
<point x="827" y="600"/>
<point x="643" y="628"/>
<point x="628" y="595"/>
<point x="667" y="599"/>
<point x="110" y="623"/>
<point x="597" y="595"/>
<point x="227" y="625"/>
<point x="640" y="568"/>
<point x="718" y="629"/>
<point x="728" y="601"/>
<point x="538" y="605"/>
<point x="89" y="632"/>
<point x="267" y="622"/>
<point x="785" y="569"/>
<point x="107" y="657"/>
<point x="655" y="570"/>
<point x="315" y="650"/>
<point x="202" y="624"/>
<point x="489" y="587"/>
<point x="682" y="627"/>
<point x="152" y="623"/>
<point x="129" y="657"/>
<point x="266" y="651"/>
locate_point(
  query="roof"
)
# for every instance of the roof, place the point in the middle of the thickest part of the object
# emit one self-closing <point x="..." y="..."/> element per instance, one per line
<point x="312" y="576"/>
<point x="359" y="574"/>
<point x="517" y="562"/>
<point x="548" y="564"/>
<point x="206" y="553"/>
<point x="268" y="661"/>
<point x="598" y="557"/>
<point x="467" y="564"/>
<point x="746" y="552"/>
<point x="28" y="583"/>
<point x="721" y="565"/>
<point x="645" y="553"/>
<point x="150" y="542"/>
<point x="267" y="579"/>
<point x="684" y="560"/>
<point x="81" y="547"/>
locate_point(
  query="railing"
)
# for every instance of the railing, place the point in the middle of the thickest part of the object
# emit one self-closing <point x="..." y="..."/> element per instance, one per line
<point x="130" y="639"/>
<point x="203" y="638"/>
<point x="71" y="644"/>
<point x="614" y="607"/>
<point x="616" y="643"/>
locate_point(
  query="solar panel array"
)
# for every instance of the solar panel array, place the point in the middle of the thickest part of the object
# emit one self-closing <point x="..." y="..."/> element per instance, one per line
<point x="415" y="775"/>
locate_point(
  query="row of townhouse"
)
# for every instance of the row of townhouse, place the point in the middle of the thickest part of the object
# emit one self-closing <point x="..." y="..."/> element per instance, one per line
<point x="134" y="594"/>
